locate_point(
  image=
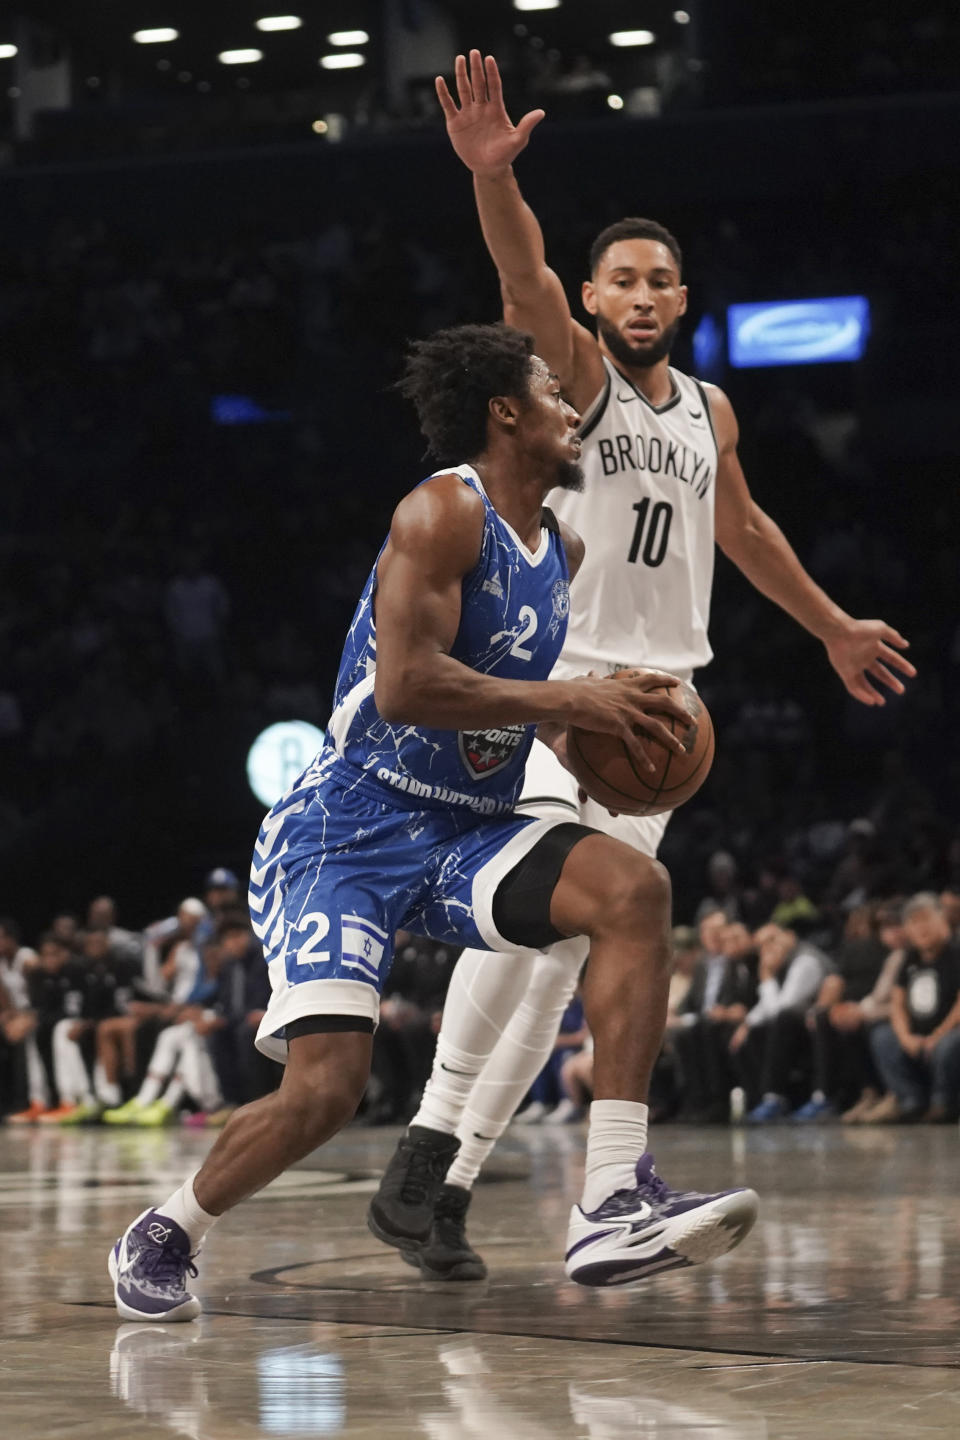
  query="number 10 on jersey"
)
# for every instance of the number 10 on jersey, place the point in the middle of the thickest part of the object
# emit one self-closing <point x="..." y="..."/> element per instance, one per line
<point x="653" y="536"/>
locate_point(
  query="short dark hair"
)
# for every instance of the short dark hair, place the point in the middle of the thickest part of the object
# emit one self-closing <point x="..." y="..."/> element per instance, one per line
<point x="10" y="927"/>
<point x="451" y="378"/>
<point x="633" y="228"/>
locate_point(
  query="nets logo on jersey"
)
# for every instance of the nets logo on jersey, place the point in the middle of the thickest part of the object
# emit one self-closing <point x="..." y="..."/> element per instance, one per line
<point x="485" y="752"/>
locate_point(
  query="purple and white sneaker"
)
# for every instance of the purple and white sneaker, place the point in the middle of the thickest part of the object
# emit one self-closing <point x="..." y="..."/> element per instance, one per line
<point x="636" y="1233"/>
<point x="148" y="1266"/>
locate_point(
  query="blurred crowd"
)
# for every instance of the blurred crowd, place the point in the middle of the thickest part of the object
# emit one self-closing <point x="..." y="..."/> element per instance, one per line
<point x="145" y="1028"/>
<point x="765" y="1024"/>
<point x="780" y="1006"/>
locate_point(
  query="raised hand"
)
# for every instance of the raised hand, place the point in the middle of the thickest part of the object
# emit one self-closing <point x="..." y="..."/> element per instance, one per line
<point x="867" y="650"/>
<point x="627" y="704"/>
<point x="480" y="130"/>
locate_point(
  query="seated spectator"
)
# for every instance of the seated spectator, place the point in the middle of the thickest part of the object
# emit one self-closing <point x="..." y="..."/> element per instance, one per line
<point x="723" y="892"/>
<point x="169" y="972"/>
<point x="918" y="1052"/>
<point x="666" y="1082"/>
<point x="550" y="1101"/>
<point x="66" y="928"/>
<point x="950" y="900"/>
<point x="15" y="961"/>
<point x="576" y="1075"/>
<point x="723" y="990"/>
<point x="243" y="991"/>
<point x="53" y="990"/>
<point x="107" y="978"/>
<point x="180" y="1066"/>
<point x="843" y="1073"/>
<point x="123" y="944"/>
<point x="221" y="895"/>
<point x="23" y="1087"/>
<point x="793" y="907"/>
<point x="772" y="1041"/>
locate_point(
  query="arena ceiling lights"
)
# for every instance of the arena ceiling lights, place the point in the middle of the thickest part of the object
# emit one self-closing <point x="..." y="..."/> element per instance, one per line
<point x="622" y="38"/>
<point x="346" y="60"/>
<point x="536" y="4"/>
<point x="7" y="52"/>
<point x="160" y="36"/>
<point x="279" y="22"/>
<point x="239" y="57"/>
<point x="348" y="37"/>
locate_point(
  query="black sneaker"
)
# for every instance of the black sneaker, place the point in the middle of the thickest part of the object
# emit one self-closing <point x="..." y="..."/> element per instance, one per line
<point x="401" y="1212"/>
<point x="448" y="1254"/>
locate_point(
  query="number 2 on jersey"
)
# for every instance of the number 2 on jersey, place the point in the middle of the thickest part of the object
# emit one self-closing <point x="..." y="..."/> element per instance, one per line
<point x="528" y="618"/>
<point x="657" y="532"/>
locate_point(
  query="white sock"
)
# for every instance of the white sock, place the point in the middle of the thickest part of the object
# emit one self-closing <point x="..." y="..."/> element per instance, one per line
<point x="174" y="1092"/>
<point x="188" y="1214"/>
<point x="615" y="1141"/>
<point x="107" y="1091"/>
<point x="150" y="1090"/>
<point x="517" y="1059"/>
<point x="484" y="992"/>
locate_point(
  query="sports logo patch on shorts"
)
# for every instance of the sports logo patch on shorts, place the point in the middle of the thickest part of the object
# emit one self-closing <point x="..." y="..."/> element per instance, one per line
<point x="484" y="752"/>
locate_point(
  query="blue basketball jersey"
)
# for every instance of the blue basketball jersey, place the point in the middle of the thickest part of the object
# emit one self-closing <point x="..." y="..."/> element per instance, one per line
<point x="513" y="622"/>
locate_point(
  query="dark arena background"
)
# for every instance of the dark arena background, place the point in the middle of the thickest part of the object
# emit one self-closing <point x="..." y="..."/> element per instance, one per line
<point x="216" y="242"/>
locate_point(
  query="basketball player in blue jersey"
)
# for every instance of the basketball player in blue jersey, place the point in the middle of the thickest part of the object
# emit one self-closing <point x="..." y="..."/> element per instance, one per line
<point x="406" y="820"/>
<point x="663" y="485"/>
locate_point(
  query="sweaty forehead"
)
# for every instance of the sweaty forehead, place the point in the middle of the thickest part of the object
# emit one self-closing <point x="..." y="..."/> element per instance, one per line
<point x="540" y="373"/>
<point x="637" y="254"/>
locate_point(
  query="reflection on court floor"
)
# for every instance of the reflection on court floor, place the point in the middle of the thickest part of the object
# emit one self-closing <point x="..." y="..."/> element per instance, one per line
<point x="839" y="1314"/>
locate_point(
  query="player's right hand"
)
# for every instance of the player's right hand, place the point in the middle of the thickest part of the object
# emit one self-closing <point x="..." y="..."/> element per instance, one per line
<point x="628" y="704"/>
<point x="481" y="131"/>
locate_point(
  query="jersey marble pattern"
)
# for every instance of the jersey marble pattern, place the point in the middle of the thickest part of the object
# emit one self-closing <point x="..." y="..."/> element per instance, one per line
<point x="403" y="826"/>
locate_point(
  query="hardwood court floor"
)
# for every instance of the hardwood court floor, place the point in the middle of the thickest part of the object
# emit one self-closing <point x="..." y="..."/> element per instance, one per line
<point x="839" y="1316"/>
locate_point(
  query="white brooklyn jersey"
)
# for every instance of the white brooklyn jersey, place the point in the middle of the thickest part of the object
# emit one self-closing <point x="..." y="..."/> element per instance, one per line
<point x="642" y="596"/>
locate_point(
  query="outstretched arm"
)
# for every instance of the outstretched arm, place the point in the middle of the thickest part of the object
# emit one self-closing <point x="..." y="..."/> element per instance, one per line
<point x="487" y="142"/>
<point x="861" y="651"/>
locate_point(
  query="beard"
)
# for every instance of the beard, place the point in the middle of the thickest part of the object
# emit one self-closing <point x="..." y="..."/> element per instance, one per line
<point x="569" y="476"/>
<point x="631" y="355"/>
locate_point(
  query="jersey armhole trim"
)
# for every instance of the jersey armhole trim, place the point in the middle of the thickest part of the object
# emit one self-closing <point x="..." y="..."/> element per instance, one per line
<point x="596" y="410"/>
<point x="706" y="407"/>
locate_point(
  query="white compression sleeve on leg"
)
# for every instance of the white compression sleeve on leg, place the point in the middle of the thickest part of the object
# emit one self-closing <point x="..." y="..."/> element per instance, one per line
<point x="484" y="992"/>
<point x="520" y="1055"/>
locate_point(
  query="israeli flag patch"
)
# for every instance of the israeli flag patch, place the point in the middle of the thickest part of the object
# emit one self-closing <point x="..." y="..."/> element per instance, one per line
<point x="362" y="945"/>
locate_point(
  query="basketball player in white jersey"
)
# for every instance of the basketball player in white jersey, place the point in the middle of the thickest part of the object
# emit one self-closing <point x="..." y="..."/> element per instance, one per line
<point x="663" y="485"/>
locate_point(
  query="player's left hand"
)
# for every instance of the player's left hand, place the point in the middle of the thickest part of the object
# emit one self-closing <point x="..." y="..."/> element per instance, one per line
<point x="867" y="651"/>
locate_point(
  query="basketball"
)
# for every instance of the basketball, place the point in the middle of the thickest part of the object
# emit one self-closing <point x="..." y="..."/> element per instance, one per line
<point x="607" y="771"/>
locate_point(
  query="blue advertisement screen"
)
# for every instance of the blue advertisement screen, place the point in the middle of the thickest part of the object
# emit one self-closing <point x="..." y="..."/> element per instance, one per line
<point x="798" y="332"/>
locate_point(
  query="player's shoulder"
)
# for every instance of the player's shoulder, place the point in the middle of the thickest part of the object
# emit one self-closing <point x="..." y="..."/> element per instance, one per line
<point x="442" y="511"/>
<point x="445" y="496"/>
<point x="573" y="546"/>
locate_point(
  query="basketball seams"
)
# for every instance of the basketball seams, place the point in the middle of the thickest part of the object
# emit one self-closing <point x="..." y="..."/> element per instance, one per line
<point x="644" y="798"/>
<point x="613" y="789"/>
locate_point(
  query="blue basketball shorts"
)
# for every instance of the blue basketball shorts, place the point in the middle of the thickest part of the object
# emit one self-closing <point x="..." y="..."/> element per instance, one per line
<point x="336" y="872"/>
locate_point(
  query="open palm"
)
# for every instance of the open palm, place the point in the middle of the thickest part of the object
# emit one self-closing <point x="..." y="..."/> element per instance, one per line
<point x="867" y="651"/>
<point x="480" y="129"/>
